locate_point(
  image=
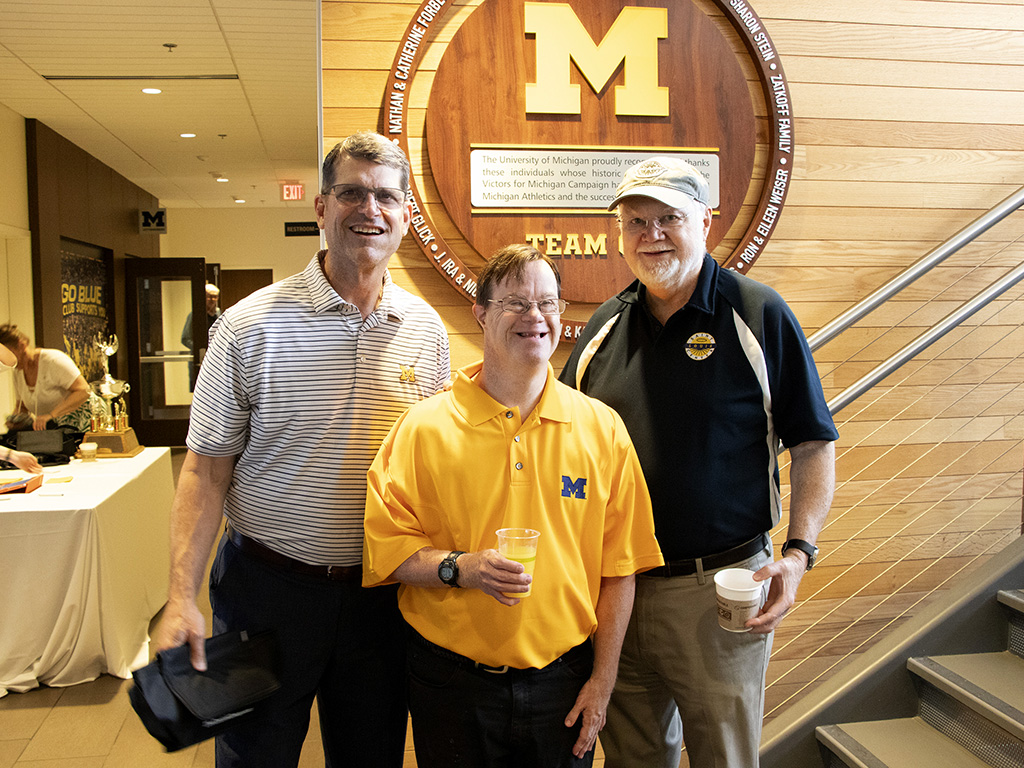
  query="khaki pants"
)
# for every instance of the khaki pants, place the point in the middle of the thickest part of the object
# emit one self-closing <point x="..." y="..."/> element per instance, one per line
<point x="682" y="677"/>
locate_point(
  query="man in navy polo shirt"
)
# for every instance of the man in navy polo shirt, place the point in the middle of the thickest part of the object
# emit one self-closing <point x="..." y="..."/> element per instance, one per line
<point x="713" y="377"/>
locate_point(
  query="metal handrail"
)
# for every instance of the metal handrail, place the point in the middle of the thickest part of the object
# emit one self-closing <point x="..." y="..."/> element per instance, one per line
<point x="833" y="328"/>
<point x="940" y="329"/>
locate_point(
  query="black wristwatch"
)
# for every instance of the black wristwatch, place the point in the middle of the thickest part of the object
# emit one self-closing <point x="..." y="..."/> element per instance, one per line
<point x="804" y="546"/>
<point x="448" y="570"/>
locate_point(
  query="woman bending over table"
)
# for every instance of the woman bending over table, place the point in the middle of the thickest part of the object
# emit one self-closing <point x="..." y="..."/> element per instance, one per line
<point x="22" y="460"/>
<point x="49" y="386"/>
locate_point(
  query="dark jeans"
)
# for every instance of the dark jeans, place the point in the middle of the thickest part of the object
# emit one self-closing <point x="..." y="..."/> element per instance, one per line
<point x="464" y="716"/>
<point x="339" y="642"/>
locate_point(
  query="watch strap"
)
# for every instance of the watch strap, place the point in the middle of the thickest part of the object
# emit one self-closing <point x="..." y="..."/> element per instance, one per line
<point x="804" y="546"/>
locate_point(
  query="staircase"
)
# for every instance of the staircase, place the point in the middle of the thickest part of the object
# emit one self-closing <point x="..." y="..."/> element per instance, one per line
<point x="970" y="712"/>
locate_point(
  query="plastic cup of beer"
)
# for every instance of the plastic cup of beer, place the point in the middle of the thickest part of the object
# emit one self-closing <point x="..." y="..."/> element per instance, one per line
<point x="739" y="598"/>
<point x="519" y="544"/>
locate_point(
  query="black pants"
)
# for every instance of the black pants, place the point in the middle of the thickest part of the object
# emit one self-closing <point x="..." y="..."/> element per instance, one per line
<point x="340" y="643"/>
<point x="471" y="717"/>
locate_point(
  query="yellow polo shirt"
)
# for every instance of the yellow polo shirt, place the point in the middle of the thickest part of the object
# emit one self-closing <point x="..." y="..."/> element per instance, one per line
<point x="459" y="465"/>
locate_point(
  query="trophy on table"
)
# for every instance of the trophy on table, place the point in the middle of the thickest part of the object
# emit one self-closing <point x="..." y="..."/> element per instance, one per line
<point x="110" y="430"/>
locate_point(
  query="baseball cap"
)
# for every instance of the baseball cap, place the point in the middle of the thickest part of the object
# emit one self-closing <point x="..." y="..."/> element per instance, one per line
<point x="666" y="179"/>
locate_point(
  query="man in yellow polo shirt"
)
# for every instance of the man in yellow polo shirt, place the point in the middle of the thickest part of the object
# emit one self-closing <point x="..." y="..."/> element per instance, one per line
<point x="496" y="678"/>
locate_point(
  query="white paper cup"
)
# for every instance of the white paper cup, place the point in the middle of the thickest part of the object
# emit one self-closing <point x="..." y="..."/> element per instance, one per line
<point x="739" y="598"/>
<point x="88" y="451"/>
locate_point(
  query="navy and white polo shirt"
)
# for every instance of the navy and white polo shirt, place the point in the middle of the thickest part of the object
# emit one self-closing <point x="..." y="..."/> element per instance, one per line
<point x="707" y="399"/>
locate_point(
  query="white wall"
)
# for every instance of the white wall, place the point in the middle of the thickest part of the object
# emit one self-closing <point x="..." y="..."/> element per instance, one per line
<point x="250" y="238"/>
<point x="13" y="175"/>
<point x="15" y="238"/>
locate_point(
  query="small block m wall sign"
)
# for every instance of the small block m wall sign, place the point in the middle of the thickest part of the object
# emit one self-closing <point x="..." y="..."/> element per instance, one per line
<point x="153" y="221"/>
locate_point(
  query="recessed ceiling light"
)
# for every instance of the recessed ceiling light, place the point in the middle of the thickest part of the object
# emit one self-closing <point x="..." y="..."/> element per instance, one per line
<point x="151" y="90"/>
<point x="239" y="200"/>
<point x="222" y="178"/>
<point x="187" y="135"/>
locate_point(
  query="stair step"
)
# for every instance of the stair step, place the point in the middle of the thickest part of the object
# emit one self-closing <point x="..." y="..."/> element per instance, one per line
<point x="903" y="743"/>
<point x="1012" y="598"/>
<point x="990" y="684"/>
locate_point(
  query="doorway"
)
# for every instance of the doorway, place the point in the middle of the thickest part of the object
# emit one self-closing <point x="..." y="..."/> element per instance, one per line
<point x="163" y="295"/>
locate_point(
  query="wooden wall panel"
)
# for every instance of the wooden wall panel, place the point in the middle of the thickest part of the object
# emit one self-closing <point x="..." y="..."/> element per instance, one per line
<point x="909" y="124"/>
<point x="73" y="195"/>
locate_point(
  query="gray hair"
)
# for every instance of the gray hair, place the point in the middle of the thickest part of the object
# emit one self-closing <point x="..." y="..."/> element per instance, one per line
<point x="366" y="145"/>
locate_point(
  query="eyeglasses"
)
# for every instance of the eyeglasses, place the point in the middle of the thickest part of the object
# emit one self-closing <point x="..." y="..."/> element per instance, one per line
<point x="636" y="225"/>
<point x="352" y="194"/>
<point x="520" y="306"/>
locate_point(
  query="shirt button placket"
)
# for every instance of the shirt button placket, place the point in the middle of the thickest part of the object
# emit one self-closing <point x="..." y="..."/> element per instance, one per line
<point x="516" y="439"/>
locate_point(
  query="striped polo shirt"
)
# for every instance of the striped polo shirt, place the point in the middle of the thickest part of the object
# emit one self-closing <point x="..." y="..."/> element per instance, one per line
<point x="302" y="390"/>
<point x="707" y="399"/>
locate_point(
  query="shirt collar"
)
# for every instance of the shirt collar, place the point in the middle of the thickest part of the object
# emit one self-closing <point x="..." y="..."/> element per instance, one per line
<point x="703" y="297"/>
<point x="478" y="407"/>
<point x="326" y="299"/>
<point x="390" y="301"/>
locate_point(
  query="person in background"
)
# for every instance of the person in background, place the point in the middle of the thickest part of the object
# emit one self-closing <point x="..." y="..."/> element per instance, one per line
<point x="498" y="678"/>
<point x="302" y="381"/>
<point x="21" y="459"/>
<point x="709" y="370"/>
<point x="212" y="313"/>
<point x="51" y="391"/>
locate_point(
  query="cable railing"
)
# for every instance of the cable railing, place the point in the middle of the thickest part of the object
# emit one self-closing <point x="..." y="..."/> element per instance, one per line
<point x="832" y="329"/>
<point x="926" y="339"/>
<point x="929" y="472"/>
<point x="934" y="257"/>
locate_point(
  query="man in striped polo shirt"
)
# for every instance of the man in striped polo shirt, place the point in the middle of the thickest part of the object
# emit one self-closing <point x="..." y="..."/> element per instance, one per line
<point x="302" y="381"/>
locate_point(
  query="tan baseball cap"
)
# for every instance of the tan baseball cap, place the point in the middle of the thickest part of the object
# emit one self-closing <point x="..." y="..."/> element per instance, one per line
<point x="666" y="179"/>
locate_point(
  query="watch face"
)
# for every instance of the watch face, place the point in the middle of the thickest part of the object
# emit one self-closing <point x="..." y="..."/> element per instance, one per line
<point x="448" y="569"/>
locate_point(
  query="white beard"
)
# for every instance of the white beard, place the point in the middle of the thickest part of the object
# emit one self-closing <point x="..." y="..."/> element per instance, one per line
<point x="662" y="277"/>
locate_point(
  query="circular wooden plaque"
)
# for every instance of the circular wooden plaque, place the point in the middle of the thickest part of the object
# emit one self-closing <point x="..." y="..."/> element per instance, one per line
<point x="478" y="100"/>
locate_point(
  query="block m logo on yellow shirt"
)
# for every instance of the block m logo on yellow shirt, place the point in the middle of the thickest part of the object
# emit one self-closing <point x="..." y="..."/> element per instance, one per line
<point x="576" y="488"/>
<point x="632" y="39"/>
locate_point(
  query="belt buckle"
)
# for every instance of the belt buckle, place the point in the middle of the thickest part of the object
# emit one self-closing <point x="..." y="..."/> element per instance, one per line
<point x="491" y="670"/>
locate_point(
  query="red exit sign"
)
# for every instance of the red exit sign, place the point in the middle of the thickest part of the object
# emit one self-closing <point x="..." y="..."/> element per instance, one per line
<point x="293" y="192"/>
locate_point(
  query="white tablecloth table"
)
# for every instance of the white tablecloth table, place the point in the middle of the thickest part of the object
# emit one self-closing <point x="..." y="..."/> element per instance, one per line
<point x="83" y="569"/>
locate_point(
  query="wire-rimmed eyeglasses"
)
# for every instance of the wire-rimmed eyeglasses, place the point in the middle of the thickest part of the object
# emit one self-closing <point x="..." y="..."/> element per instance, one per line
<point x="390" y="198"/>
<point x="635" y="225"/>
<point x="520" y="306"/>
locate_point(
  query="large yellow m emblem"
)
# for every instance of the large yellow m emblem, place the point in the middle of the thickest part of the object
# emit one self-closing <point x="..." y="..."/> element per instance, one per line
<point x="633" y="38"/>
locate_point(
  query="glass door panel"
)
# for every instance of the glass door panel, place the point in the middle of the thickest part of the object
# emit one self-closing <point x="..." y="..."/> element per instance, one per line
<point x="165" y="346"/>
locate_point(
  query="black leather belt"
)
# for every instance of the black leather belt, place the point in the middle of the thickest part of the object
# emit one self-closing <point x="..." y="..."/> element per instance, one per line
<point x="349" y="573"/>
<point x="711" y="562"/>
<point x="468" y="663"/>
